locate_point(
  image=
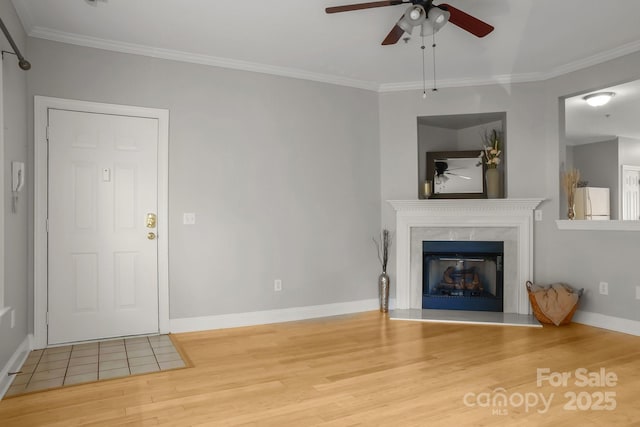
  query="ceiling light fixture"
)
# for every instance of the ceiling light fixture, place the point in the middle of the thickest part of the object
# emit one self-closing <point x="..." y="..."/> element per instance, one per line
<point x="599" y="99"/>
<point x="436" y="18"/>
<point x="415" y="15"/>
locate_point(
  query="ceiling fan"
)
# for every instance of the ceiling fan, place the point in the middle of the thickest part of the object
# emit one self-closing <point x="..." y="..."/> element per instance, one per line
<point x="429" y="16"/>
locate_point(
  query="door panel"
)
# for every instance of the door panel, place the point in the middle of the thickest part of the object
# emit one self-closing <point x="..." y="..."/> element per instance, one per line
<point x="103" y="279"/>
<point x="126" y="279"/>
<point x="85" y="282"/>
<point x="630" y="193"/>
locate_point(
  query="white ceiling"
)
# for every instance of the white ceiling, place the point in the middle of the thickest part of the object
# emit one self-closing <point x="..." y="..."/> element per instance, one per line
<point x="619" y="118"/>
<point x="533" y="39"/>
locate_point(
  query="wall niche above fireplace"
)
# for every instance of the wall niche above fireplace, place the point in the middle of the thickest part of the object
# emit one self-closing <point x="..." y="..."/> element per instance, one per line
<point x="456" y="133"/>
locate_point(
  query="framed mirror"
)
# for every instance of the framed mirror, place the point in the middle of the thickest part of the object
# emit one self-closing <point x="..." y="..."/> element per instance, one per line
<point x="456" y="175"/>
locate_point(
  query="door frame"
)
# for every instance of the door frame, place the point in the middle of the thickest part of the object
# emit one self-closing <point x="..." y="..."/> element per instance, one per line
<point x="3" y="309"/>
<point x="623" y="169"/>
<point x="40" y="261"/>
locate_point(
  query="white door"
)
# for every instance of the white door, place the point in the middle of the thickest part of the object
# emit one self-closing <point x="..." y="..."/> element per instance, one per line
<point x="630" y="193"/>
<point x="103" y="265"/>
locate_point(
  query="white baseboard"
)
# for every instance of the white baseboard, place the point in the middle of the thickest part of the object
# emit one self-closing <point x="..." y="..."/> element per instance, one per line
<point x="617" y="324"/>
<point x="14" y="364"/>
<point x="192" y="324"/>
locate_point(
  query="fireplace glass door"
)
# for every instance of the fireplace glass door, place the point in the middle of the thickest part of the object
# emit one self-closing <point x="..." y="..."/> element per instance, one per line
<point x="463" y="275"/>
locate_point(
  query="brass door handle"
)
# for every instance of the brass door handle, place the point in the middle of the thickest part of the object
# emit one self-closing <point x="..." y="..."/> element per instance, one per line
<point x="151" y="220"/>
<point x="151" y="235"/>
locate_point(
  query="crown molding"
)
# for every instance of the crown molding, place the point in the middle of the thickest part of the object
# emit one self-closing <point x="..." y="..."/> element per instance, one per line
<point x="596" y="59"/>
<point x="176" y="55"/>
<point x="503" y="80"/>
<point x="508" y="79"/>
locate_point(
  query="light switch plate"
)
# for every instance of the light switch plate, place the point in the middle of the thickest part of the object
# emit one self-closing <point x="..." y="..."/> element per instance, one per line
<point x="189" y="218"/>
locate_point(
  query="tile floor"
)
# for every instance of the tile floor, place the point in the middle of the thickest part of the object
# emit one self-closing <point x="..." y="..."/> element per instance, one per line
<point x="75" y="364"/>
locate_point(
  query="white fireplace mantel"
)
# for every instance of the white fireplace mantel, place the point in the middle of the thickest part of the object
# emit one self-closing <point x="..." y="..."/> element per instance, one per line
<point x="463" y="215"/>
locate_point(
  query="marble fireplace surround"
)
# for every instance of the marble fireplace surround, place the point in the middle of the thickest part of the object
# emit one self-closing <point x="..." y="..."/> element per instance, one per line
<point x="508" y="220"/>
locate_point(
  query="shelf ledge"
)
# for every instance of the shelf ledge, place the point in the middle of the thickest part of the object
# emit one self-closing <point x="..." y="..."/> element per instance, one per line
<point x="612" y="225"/>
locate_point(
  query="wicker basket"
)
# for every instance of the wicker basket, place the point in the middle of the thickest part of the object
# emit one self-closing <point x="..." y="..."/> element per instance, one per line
<point x="540" y="315"/>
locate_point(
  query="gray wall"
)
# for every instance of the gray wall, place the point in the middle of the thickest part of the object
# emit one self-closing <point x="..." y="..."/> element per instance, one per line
<point x="15" y="226"/>
<point x="289" y="178"/>
<point x="598" y="164"/>
<point x="283" y="175"/>
<point x="470" y="138"/>
<point x="629" y="151"/>
<point x="588" y="257"/>
<point x="581" y="258"/>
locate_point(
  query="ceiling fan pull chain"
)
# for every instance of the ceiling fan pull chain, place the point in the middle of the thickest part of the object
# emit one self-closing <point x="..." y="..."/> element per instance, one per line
<point x="424" y="84"/>
<point x="434" y="63"/>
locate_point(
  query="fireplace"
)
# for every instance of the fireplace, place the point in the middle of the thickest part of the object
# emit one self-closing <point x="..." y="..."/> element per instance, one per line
<point x="506" y="220"/>
<point x="463" y="275"/>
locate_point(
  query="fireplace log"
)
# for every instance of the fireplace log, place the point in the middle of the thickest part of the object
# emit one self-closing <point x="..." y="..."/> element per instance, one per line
<point x="462" y="279"/>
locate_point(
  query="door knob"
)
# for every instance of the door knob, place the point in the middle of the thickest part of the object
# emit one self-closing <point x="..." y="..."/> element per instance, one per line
<point x="151" y="220"/>
<point x="151" y="235"/>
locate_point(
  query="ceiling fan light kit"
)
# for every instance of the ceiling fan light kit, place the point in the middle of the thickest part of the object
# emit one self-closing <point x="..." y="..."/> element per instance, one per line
<point x="599" y="99"/>
<point x="414" y="16"/>
<point x="436" y="18"/>
<point x="419" y="12"/>
<point x="429" y="17"/>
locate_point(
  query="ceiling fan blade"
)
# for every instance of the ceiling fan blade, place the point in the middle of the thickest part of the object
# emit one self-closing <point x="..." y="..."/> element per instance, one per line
<point x="393" y="36"/>
<point x="467" y="22"/>
<point x="458" y="175"/>
<point x="359" y="6"/>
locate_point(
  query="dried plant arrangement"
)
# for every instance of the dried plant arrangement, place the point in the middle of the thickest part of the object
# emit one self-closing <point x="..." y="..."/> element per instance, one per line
<point x="383" y="248"/>
<point x="570" y="180"/>
<point x="491" y="149"/>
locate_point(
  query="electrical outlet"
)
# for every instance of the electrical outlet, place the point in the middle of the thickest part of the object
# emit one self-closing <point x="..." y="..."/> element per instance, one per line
<point x="604" y="288"/>
<point x="637" y="292"/>
<point x="277" y="285"/>
<point x="538" y="214"/>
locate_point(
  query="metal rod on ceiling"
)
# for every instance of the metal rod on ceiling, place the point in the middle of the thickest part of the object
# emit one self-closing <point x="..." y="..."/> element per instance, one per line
<point x="22" y="63"/>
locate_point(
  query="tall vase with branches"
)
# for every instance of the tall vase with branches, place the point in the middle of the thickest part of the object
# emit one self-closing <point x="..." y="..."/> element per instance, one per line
<point x="383" y="280"/>
<point x="570" y="180"/>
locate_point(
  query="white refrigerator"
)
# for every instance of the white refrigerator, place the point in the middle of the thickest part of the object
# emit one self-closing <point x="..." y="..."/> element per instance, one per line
<point x="592" y="203"/>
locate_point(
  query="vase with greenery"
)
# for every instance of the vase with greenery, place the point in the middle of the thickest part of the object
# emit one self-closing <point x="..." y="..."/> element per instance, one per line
<point x="383" y="279"/>
<point x="490" y="156"/>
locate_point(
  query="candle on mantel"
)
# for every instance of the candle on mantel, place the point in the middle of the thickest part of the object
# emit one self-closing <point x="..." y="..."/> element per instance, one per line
<point x="427" y="189"/>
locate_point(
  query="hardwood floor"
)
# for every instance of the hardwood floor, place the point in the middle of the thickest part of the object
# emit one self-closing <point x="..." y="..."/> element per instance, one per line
<point x="366" y="370"/>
